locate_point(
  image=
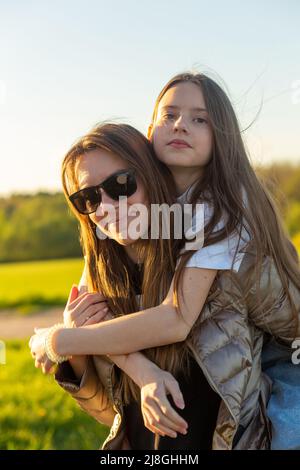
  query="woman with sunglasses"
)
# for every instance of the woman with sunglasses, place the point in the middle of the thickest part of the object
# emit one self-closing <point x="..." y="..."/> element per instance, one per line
<point x="240" y="408"/>
<point x="122" y="161"/>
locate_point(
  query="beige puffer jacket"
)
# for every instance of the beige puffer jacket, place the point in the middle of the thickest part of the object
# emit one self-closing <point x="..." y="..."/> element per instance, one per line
<point x="227" y="342"/>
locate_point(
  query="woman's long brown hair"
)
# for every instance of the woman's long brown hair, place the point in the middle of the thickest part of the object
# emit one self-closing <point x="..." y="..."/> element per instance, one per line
<point x="109" y="270"/>
<point x="229" y="165"/>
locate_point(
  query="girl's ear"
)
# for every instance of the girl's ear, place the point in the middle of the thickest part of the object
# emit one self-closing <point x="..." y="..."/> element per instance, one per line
<point x="149" y="131"/>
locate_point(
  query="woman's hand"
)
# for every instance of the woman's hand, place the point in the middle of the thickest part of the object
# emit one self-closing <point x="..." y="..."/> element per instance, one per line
<point x="85" y="309"/>
<point x="74" y="318"/>
<point x="37" y="347"/>
<point x="159" y="416"/>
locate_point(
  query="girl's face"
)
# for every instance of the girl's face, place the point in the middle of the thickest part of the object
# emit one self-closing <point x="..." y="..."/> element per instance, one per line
<point x="182" y="135"/>
<point x="113" y="220"/>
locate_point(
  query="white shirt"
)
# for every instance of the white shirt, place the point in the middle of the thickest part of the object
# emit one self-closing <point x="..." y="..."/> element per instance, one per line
<point x="220" y="255"/>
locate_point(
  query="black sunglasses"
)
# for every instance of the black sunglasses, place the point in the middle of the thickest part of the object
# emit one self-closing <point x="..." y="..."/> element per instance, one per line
<point x="121" y="183"/>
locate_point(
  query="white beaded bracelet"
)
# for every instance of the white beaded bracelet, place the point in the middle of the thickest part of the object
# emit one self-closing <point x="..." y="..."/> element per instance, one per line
<point x="56" y="358"/>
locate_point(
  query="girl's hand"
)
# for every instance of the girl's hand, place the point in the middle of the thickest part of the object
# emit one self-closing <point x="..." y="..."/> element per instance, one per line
<point x="85" y="309"/>
<point x="159" y="416"/>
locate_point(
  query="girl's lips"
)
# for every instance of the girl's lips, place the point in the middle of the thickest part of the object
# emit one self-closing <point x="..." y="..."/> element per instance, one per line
<point x="178" y="145"/>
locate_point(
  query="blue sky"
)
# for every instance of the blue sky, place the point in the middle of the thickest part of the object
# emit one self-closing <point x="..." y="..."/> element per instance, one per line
<point x="65" y="65"/>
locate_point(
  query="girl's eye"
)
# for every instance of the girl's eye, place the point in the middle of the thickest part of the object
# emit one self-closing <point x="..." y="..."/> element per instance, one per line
<point x="169" y="116"/>
<point x="200" y="120"/>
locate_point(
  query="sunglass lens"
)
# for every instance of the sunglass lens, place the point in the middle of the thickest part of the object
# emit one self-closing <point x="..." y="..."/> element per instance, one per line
<point x="123" y="184"/>
<point x="88" y="201"/>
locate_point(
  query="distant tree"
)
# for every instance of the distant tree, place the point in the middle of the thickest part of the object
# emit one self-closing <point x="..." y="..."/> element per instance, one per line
<point x="283" y="181"/>
<point x="37" y="226"/>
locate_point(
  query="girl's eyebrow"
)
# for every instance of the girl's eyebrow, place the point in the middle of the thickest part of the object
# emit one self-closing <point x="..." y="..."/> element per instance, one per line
<point x="177" y="107"/>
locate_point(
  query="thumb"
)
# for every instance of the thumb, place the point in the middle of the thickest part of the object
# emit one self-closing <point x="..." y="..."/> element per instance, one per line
<point x="73" y="293"/>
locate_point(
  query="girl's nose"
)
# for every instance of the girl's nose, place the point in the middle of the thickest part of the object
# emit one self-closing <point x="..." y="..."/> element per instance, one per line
<point x="180" y="124"/>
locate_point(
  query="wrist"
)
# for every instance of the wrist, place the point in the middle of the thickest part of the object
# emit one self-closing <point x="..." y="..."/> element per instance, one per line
<point x="146" y="373"/>
<point x="57" y="345"/>
<point x="51" y="344"/>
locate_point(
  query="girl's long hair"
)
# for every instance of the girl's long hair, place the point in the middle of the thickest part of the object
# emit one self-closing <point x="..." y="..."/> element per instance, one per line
<point x="228" y="171"/>
<point x="109" y="270"/>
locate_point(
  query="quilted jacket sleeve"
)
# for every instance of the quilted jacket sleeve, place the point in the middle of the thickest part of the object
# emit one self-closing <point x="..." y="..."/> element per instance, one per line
<point x="89" y="392"/>
<point x="268" y="304"/>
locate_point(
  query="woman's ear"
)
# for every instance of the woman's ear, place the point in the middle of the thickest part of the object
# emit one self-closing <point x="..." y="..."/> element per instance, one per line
<point x="149" y="133"/>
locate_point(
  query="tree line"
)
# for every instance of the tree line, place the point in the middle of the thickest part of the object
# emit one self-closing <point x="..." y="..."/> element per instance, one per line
<point x="37" y="226"/>
<point x="41" y="226"/>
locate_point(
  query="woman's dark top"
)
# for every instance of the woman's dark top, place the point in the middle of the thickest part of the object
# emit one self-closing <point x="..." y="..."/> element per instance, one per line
<point x="200" y="412"/>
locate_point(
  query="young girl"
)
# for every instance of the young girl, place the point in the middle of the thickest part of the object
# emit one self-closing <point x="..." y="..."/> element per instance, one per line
<point x="194" y="127"/>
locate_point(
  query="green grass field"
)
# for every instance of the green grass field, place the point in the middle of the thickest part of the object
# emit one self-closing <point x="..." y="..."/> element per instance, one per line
<point x="29" y="286"/>
<point x="35" y="413"/>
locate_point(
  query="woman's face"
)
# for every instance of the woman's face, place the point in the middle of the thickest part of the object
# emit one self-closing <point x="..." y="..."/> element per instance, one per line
<point x="182" y="135"/>
<point x="112" y="217"/>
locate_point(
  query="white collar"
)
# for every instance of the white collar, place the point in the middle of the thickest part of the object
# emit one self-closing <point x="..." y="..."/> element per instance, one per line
<point x="183" y="198"/>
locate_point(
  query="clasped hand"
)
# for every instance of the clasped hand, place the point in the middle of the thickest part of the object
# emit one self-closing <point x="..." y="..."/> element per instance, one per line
<point x="158" y="414"/>
<point x="81" y="310"/>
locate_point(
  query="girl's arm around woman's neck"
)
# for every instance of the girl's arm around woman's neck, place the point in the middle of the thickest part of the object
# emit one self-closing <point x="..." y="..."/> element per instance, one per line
<point x="157" y="326"/>
<point x="122" y="335"/>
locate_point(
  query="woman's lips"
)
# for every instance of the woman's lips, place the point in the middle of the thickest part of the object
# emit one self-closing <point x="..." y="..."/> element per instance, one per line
<point x="119" y="222"/>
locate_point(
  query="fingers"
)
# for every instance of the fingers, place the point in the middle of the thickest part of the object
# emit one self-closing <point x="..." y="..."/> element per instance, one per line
<point x="48" y="366"/>
<point x="108" y="316"/>
<point x="159" y="420"/>
<point x="155" y="424"/>
<point x="149" y="424"/>
<point x="37" y="363"/>
<point x="173" y="417"/>
<point x="86" y="299"/>
<point x="74" y="302"/>
<point x="97" y="317"/>
<point x="172" y="388"/>
<point x="159" y="397"/>
<point x="78" y="311"/>
<point x="89" y="312"/>
<point x="87" y="305"/>
<point x="31" y="345"/>
<point x="70" y="314"/>
<point x="44" y="363"/>
<point x="73" y="294"/>
<point x="85" y="294"/>
<point x="158" y="408"/>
